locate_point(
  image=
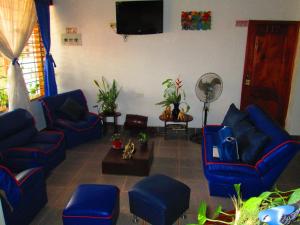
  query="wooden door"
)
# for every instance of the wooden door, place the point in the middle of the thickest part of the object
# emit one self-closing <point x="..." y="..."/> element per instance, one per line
<point x="269" y="62"/>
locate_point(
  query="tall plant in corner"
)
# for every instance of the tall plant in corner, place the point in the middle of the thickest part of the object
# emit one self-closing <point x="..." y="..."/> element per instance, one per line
<point x="107" y="95"/>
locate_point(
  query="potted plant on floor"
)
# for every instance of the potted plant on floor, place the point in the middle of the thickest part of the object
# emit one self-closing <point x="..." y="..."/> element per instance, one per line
<point x="107" y="96"/>
<point x="143" y="140"/>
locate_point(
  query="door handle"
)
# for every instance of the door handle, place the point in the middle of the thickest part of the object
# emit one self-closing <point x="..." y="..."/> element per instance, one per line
<point x="247" y="80"/>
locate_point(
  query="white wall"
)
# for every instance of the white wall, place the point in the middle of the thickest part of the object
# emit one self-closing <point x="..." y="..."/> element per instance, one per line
<point x="143" y="62"/>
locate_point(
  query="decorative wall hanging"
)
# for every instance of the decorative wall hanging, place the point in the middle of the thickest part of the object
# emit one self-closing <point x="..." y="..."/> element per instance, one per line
<point x="196" y="20"/>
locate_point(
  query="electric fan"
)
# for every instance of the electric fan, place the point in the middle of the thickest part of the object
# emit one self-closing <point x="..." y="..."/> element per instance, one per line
<point x="208" y="89"/>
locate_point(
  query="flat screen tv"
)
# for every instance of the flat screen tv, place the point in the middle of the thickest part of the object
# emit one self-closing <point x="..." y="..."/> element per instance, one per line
<point x="139" y="17"/>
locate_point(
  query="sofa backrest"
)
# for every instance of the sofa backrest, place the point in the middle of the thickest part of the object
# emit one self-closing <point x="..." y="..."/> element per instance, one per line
<point x="16" y="128"/>
<point x="52" y="104"/>
<point x="266" y="125"/>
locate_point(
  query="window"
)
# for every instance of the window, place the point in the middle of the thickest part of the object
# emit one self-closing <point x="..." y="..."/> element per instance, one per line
<point x="31" y="62"/>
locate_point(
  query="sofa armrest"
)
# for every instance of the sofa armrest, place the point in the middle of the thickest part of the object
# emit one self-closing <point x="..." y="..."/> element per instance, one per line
<point x="279" y="154"/>
<point x="230" y="168"/>
<point x="29" y="178"/>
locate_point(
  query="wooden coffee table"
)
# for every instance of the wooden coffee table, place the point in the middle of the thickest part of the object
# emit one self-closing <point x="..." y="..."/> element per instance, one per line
<point x="138" y="165"/>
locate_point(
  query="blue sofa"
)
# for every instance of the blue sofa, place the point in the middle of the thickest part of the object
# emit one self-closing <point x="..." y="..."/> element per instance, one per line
<point x="23" y="195"/>
<point x="88" y="127"/>
<point x="254" y="177"/>
<point x="22" y="146"/>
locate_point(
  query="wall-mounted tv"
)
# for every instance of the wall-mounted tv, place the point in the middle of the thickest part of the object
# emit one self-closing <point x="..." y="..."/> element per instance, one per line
<point x="139" y="17"/>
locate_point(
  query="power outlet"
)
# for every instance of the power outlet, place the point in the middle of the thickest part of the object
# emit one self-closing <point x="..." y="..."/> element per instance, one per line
<point x="71" y="39"/>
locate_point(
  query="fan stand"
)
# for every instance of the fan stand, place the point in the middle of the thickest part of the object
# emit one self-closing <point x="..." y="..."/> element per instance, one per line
<point x="205" y="109"/>
<point x="197" y="137"/>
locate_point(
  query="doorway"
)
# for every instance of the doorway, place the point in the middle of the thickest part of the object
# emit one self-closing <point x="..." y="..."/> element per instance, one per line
<point x="269" y="63"/>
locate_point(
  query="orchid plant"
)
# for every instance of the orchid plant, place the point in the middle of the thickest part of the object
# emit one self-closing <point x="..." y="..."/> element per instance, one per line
<point x="173" y="93"/>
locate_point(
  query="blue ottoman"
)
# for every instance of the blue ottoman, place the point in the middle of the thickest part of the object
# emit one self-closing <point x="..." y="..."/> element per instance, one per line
<point x="159" y="199"/>
<point x="93" y="204"/>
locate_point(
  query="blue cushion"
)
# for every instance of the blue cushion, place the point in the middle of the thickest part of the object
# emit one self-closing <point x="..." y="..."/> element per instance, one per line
<point x="233" y="116"/>
<point x="257" y="141"/>
<point x="227" y="145"/>
<point x="266" y="125"/>
<point x="92" y="204"/>
<point x="240" y="130"/>
<point x="159" y="199"/>
<point x="72" y="109"/>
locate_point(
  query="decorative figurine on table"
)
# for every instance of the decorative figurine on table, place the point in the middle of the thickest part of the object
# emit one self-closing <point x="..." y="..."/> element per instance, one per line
<point x="167" y="113"/>
<point x="181" y="115"/>
<point x="280" y="215"/>
<point x="129" y="150"/>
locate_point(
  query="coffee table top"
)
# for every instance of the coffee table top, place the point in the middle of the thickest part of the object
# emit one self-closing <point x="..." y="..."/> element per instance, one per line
<point x="139" y="164"/>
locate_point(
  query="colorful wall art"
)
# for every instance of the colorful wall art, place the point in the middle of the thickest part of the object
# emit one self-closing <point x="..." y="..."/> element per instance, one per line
<point x="196" y="20"/>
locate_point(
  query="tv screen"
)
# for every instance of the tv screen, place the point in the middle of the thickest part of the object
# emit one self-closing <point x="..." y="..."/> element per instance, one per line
<point x="139" y="17"/>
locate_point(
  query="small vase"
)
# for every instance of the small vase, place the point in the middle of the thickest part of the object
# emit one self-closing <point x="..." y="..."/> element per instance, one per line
<point x="175" y="111"/>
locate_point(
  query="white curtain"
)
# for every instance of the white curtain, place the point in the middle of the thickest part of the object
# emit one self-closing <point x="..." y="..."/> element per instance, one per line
<point x="17" y="19"/>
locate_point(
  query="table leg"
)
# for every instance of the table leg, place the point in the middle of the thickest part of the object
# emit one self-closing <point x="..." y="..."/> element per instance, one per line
<point x="187" y="129"/>
<point x="104" y="125"/>
<point x="115" y="124"/>
<point x="165" y="130"/>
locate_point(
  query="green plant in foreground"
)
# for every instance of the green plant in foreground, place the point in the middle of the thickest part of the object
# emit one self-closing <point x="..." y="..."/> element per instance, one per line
<point x="246" y="212"/>
<point x="107" y="95"/>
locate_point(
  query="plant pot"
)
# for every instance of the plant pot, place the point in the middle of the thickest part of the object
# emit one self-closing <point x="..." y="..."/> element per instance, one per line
<point x="175" y="111"/>
<point x="117" y="144"/>
<point x="109" y="109"/>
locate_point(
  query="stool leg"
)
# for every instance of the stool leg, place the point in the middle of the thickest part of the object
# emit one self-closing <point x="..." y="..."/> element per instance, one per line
<point x="135" y="219"/>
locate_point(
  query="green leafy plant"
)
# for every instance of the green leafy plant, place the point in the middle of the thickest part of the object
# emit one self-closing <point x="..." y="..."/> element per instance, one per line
<point x="173" y="93"/>
<point x="107" y="95"/>
<point x="143" y="137"/>
<point x="246" y="212"/>
<point x="3" y="98"/>
<point x="116" y="136"/>
<point x="33" y="88"/>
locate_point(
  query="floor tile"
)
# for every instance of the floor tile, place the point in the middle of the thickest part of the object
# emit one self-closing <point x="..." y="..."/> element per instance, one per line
<point x="176" y="157"/>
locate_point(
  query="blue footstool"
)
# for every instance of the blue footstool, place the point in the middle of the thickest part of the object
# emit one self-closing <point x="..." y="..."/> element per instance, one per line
<point x="159" y="199"/>
<point x="93" y="204"/>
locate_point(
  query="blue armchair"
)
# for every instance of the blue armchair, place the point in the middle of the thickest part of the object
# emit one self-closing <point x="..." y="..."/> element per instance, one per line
<point x="23" y="147"/>
<point x="254" y="177"/>
<point x="23" y="195"/>
<point x="87" y="127"/>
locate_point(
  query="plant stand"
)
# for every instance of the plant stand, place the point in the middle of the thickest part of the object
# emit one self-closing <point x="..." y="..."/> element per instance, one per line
<point x="115" y="116"/>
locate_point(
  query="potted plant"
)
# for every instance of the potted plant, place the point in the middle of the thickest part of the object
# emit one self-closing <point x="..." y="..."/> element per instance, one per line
<point x="143" y="139"/>
<point x="116" y="141"/>
<point x="254" y="211"/>
<point x="107" y="96"/>
<point x="174" y="94"/>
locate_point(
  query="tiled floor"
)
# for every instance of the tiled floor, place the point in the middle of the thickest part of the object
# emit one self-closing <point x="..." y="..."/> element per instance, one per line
<point x="178" y="158"/>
